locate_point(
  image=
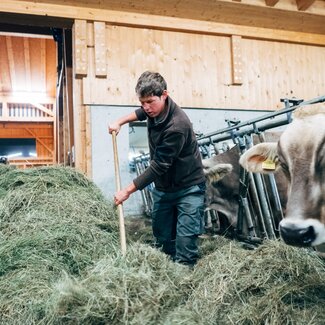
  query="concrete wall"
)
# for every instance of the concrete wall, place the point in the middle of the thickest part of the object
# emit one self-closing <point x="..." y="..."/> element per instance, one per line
<point x="204" y="121"/>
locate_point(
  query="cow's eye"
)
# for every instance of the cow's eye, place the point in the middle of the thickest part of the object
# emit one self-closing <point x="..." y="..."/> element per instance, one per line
<point x="285" y="169"/>
<point x="284" y="166"/>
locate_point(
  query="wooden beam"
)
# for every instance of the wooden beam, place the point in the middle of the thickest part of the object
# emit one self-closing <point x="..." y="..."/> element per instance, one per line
<point x="40" y="141"/>
<point x="271" y="3"/>
<point x="11" y="61"/>
<point x="303" y="5"/>
<point x="80" y="47"/>
<point x="27" y="64"/>
<point x="236" y="60"/>
<point x="42" y="108"/>
<point x="168" y="23"/>
<point x="100" y="48"/>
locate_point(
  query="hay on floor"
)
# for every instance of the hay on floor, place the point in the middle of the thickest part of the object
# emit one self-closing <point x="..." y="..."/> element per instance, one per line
<point x="60" y="263"/>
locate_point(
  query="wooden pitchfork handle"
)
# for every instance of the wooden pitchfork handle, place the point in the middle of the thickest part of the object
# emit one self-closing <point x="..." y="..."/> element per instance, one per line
<point x="118" y="188"/>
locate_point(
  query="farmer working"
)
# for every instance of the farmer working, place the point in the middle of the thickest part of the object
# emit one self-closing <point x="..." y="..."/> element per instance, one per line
<point x="175" y="168"/>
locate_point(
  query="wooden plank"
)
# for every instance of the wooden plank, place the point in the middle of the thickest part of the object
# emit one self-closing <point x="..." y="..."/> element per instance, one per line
<point x="31" y="125"/>
<point x="27" y="64"/>
<point x="316" y="34"/>
<point x="34" y="135"/>
<point x="17" y="48"/>
<point x="42" y="108"/>
<point x="5" y="81"/>
<point x="92" y="90"/>
<point x="36" y="68"/>
<point x="78" y="121"/>
<point x="100" y="49"/>
<point x="88" y="142"/>
<point x="80" y="47"/>
<point x="26" y="119"/>
<point x="90" y="34"/>
<point x="9" y="98"/>
<point x="69" y="103"/>
<point x="42" y="63"/>
<point x="303" y="5"/>
<point x="11" y="61"/>
<point x="51" y="67"/>
<point x="237" y="61"/>
<point x="5" y="111"/>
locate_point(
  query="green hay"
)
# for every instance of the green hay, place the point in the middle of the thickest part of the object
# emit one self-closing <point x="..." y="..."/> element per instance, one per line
<point x="137" y="289"/>
<point x="60" y="263"/>
<point x="52" y="220"/>
<point x="275" y="284"/>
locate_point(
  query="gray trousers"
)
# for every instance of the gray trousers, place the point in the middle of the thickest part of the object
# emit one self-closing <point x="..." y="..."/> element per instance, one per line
<point x="177" y="220"/>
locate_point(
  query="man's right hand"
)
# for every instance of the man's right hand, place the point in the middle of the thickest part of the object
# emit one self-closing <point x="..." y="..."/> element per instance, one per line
<point x="114" y="127"/>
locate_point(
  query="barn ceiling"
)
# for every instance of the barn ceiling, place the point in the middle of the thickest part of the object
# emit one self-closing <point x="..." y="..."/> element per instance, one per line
<point x="294" y="15"/>
<point x="28" y="65"/>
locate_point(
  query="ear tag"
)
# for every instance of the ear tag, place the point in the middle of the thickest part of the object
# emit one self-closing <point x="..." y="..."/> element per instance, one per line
<point x="268" y="164"/>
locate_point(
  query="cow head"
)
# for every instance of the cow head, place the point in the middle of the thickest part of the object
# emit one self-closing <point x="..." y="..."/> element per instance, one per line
<point x="300" y="153"/>
<point x="222" y="176"/>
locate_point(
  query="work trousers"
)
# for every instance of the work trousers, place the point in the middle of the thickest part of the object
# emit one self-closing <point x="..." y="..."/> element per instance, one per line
<point x="177" y="220"/>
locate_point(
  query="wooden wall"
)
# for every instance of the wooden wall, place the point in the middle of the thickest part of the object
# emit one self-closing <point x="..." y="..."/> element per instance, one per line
<point x="203" y="70"/>
<point x="199" y="68"/>
<point x="42" y="132"/>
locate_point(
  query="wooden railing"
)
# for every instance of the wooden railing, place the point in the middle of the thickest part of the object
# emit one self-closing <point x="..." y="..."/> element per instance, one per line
<point x="30" y="162"/>
<point x="12" y="110"/>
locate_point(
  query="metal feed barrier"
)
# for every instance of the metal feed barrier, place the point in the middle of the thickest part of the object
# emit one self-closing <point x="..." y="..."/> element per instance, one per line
<point x="257" y="218"/>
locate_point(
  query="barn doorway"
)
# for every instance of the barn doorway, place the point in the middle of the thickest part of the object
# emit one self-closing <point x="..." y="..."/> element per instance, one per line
<point x="36" y="89"/>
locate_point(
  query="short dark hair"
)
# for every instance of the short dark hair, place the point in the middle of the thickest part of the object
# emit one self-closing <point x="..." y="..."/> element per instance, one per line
<point x="150" y="84"/>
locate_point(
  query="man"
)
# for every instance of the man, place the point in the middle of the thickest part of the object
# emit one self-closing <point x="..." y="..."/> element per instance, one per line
<point x="175" y="168"/>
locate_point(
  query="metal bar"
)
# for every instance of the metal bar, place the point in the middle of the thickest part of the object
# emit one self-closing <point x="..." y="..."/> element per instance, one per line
<point x="249" y="127"/>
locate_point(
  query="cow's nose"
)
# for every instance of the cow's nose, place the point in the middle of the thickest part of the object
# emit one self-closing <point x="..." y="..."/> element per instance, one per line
<point x="298" y="236"/>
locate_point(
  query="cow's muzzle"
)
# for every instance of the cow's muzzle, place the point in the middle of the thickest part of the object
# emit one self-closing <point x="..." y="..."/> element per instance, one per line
<point x="298" y="236"/>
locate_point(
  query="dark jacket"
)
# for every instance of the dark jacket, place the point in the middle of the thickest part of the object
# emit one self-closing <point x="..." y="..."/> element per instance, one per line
<point x="175" y="157"/>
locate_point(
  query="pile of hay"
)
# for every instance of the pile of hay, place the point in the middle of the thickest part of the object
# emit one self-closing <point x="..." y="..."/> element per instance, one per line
<point x="52" y="220"/>
<point x="60" y="263"/>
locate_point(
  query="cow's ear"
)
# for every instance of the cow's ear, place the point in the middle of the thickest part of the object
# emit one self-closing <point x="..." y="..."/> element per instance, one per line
<point x="216" y="173"/>
<point x="261" y="158"/>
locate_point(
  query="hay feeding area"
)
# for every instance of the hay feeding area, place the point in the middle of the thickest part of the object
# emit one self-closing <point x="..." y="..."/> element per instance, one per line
<point x="60" y="263"/>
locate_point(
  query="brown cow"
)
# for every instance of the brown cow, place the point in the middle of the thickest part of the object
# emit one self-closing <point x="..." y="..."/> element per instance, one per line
<point x="300" y="153"/>
<point x="223" y="180"/>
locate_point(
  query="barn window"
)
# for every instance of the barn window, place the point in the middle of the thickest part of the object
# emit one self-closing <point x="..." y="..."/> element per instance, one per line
<point x="18" y="148"/>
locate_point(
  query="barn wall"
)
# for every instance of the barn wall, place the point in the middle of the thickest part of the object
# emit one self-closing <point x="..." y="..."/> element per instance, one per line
<point x="199" y="69"/>
<point x="203" y="70"/>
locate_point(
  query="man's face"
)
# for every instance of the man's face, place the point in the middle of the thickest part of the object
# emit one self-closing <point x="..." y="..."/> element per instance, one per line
<point x="154" y="105"/>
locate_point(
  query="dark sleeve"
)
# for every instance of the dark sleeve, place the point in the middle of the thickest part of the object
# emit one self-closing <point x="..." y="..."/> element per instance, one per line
<point x="140" y="113"/>
<point x="163" y="158"/>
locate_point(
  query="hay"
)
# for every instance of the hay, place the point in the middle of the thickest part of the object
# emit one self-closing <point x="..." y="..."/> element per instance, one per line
<point x="51" y="220"/>
<point x="138" y="289"/>
<point x="60" y="263"/>
<point x="275" y="284"/>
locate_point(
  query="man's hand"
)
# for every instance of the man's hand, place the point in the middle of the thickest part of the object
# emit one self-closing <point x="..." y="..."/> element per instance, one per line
<point x="124" y="194"/>
<point x="114" y="127"/>
<point x="121" y="196"/>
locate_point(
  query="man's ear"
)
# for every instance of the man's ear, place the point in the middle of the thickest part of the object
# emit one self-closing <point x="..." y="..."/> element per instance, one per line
<point x="165" y="94"/>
